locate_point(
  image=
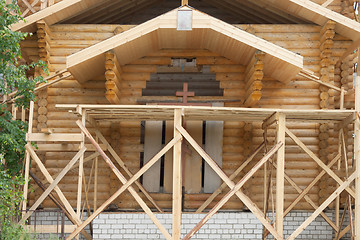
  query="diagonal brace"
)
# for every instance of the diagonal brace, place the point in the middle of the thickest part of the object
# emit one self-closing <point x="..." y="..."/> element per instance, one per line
<point x="253" y="208"/>
<point x="236" y="188"/>
<point x="331" y="198"/>
<point x="61" y="195"/>
<point x="232" y="176"/>
<point x="123" y="180"/>
<point x="123" y="166"/>
<point x="318" y="161"/>
<point x="53" y="185"/>
<point x="127" y="185"/>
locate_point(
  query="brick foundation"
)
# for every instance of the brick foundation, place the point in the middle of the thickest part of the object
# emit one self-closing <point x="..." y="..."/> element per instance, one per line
<point x="242" y="225"/>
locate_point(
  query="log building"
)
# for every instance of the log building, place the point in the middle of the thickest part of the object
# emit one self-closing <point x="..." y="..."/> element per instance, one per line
<point x="202" y="108"/>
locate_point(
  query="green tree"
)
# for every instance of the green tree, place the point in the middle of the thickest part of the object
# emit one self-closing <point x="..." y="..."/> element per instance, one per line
<point x="13" y="77"/>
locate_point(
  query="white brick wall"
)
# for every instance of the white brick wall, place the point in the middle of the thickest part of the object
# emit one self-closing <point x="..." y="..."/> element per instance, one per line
<point x="243" y="225"/>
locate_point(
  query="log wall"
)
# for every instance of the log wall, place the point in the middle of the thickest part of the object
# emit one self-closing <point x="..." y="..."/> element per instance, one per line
<point x="240" y="138"/>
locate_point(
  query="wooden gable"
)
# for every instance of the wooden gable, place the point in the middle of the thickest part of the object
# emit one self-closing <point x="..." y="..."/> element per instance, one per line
<point x="207" y="33"/>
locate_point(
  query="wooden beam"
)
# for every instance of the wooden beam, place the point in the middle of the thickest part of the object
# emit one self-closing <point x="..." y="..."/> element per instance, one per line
<point x="235" y="189"/>
<point x="54" y="137"/>
<point x="331" y="198"/>
<point x="27" y="158"/>
<point x="357" y="152"/>
<point x="252" y="207"/>
<point x="280" y="170"/>
<point x="311" y="76"/>
<point x="63" y="172"/>
<point x="318" y="161"/>
<point x="69" y="209"/>
<point x="177" y="181"/>
<point x="269" y="121"/>
<point x="81" y="170"/>
<point x="344" y="123"/>
<point x="232" y="176"/>
<point x="96" y="178"/>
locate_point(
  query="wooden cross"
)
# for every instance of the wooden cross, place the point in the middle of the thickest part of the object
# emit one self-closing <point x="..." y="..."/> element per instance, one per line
<point x="185" y="93"/>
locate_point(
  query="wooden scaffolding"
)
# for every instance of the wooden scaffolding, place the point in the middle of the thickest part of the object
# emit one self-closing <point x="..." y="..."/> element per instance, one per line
<point x="257" y="56"/>
<point x="90" y="115"/>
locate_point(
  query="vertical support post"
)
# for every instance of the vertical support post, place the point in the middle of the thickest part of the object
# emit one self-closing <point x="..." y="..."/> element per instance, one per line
<point x="27" y="158"/>
<point x="96" y="178"/>
<point x="184" y="2"/>
<point x="177" y="180"/>
<point x="280" y="172"/>
<point x="357" y="152"/>
<point x="342" y="98"/>
<point x="81" y="170"/>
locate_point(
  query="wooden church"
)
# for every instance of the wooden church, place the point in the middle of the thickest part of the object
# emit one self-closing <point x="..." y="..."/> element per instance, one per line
<point x="199" y="108"/>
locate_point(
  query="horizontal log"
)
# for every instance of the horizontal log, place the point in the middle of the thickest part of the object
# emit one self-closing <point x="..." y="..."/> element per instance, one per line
<point x="55" y="137"/>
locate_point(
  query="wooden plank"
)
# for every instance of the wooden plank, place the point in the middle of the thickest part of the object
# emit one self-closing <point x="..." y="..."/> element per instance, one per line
<point x="96" y="163"/>
<point x="157" y="112"/>
<point x="63" y="172"/>
<point x="280" y="170"/>
<point x="232" y="176"/>
<point x="193" y="161"/>
<point x="331" y="198"/>
<point x="81" y="169"/>
<point x="152" y="145"/>
<point x="54" y="137"/>
<point x="168" y="159"/>
<point x="236" y="188"/>
<point x="213" y="146"/>
<point x="318" y="161"/>
<point x="27" y="157"/>
<point x="177" y="181"/>
<point x="357" y="153"/>
<point x="253" y="208"/>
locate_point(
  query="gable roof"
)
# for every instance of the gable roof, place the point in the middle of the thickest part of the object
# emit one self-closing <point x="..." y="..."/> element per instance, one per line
<point x="304" y="9"/>
<point x="207" y="33"/>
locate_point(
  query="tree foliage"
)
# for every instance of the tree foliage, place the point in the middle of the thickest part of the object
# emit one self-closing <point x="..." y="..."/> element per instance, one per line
<point x="13" y="78"/>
